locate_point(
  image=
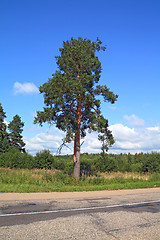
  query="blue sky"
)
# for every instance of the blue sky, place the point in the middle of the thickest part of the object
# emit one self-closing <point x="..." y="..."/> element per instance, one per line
<point x="32" y="31"/>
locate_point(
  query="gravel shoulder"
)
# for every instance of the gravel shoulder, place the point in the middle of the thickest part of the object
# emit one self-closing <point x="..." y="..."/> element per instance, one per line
<point x="70" y="195"/>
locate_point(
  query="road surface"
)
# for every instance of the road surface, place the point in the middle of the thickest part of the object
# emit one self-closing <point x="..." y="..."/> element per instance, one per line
<point x="128" y="214"/>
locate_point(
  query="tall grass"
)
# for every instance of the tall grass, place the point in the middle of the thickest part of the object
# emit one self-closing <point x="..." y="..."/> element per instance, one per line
<point x="24" y="180"/>
<point x="21" y="172"/>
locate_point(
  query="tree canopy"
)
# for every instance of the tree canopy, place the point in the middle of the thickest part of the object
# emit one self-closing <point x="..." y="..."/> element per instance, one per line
<point x="13" y="139"/>
<point x="72" y="95"/>
<point x="16" y="128"/>
<point x="4" y="140"/>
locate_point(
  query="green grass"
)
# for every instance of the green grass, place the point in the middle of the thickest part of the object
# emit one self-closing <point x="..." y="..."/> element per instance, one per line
<point x="40" y="180"/>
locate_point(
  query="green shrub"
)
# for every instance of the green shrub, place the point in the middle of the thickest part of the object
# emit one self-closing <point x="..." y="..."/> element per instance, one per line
<point x="64" y="163"/>
<point x="16" y="159"/>
<point x="137" y="167"/>
<point x="151" y="162"/>
<point x="91" y="164"/>
<point x="44" y="159"/>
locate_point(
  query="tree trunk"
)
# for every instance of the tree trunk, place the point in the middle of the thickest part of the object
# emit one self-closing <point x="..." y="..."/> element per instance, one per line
<point x="77" y="155"/>
<point x="76" y="171"/>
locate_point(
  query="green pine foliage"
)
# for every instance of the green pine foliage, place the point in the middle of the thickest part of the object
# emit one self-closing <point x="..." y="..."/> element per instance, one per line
<point x="14" y="138"/>
<point x="71" y="96"/>
<point x="4" y="140"/>
<point x="16" y="128"/>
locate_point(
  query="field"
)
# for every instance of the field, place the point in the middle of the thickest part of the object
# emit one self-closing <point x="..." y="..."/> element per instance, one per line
<point x="21" y="172"/>
<point x="41" y="180"/>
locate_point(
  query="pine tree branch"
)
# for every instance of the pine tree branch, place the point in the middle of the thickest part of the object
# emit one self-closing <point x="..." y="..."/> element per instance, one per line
<point x="96" y="112"/>
<point x="65" y="109"/>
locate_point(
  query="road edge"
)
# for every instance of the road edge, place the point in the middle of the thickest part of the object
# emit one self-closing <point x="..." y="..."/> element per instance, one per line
<point x="63" y="195"/>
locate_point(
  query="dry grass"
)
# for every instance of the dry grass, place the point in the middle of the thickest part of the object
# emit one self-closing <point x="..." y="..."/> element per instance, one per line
<point x="126" y="175"/>
<point x="41" y="180"/>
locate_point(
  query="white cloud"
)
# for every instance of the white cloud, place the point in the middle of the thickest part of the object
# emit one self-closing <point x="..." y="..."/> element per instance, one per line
<point x="46" y="139"/>
<point x="6" y="123"/>
<point x="135" y="139"/>
<point x="133" y="120"/>
<point x="126" y="140"/>
<point x="122" y="132"/>
<point x="154" y="129"/>
<point x="26" y="88"/>
<point x="42" y="141"/>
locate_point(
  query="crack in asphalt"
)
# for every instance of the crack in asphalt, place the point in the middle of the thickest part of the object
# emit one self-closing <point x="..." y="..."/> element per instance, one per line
<point x="99" y="222"/>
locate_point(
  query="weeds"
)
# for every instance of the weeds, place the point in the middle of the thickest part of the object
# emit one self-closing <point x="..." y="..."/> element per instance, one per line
<point x="24" y="180"/>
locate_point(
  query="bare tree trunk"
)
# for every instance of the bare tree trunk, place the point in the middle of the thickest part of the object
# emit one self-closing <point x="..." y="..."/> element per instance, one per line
<point x="76" y="171"/>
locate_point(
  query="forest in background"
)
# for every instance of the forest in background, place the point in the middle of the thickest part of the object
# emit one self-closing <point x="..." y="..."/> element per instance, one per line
<point x="91" y="164"/>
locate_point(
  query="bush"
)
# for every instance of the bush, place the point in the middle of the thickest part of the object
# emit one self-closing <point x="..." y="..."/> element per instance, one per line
<point x="16" y="159"/>
<point x="90" y="163"/>
<point x="64" y="163"/>
<point x="151" y="162"/>
<point x="44" y="159"/>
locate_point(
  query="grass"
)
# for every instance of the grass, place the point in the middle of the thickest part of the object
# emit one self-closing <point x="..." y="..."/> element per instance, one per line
<point x="41" y="180"/>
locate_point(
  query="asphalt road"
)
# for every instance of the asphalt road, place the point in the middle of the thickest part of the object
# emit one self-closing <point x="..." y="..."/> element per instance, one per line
<point x="127" y="216"/>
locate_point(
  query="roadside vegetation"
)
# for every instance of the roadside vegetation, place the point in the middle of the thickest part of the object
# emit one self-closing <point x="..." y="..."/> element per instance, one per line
<point x="90" y="163"/>
<point x="41" y="180"/>
<point x="22" y="172"/>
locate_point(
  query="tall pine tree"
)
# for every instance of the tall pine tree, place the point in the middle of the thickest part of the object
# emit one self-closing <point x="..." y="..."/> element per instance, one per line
<point x="16" y="128"/>
<point x="70" y="96"/>
<point x="4" y="140"/>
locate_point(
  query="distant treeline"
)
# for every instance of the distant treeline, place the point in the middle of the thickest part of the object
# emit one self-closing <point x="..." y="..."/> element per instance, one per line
<point x="90" y="163"/>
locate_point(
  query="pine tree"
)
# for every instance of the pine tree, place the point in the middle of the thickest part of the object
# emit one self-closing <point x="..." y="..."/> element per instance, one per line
<point x="16" y="128"/>
<point x="70" y="96"/>
<point x="4" y="141"/>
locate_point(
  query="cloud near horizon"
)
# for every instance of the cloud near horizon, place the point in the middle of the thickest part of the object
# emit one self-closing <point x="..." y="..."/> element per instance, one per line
<point x="133" y="140"/>
<point x="25" y="88"/>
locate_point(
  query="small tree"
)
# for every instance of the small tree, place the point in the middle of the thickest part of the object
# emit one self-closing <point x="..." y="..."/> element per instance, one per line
<point x="16" y="128"/>
<point x="70" y="96"/>
<point x="4" y="140"/>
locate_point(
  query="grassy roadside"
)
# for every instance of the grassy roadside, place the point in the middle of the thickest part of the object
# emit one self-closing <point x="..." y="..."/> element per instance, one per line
<point x="41" y="180"/>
